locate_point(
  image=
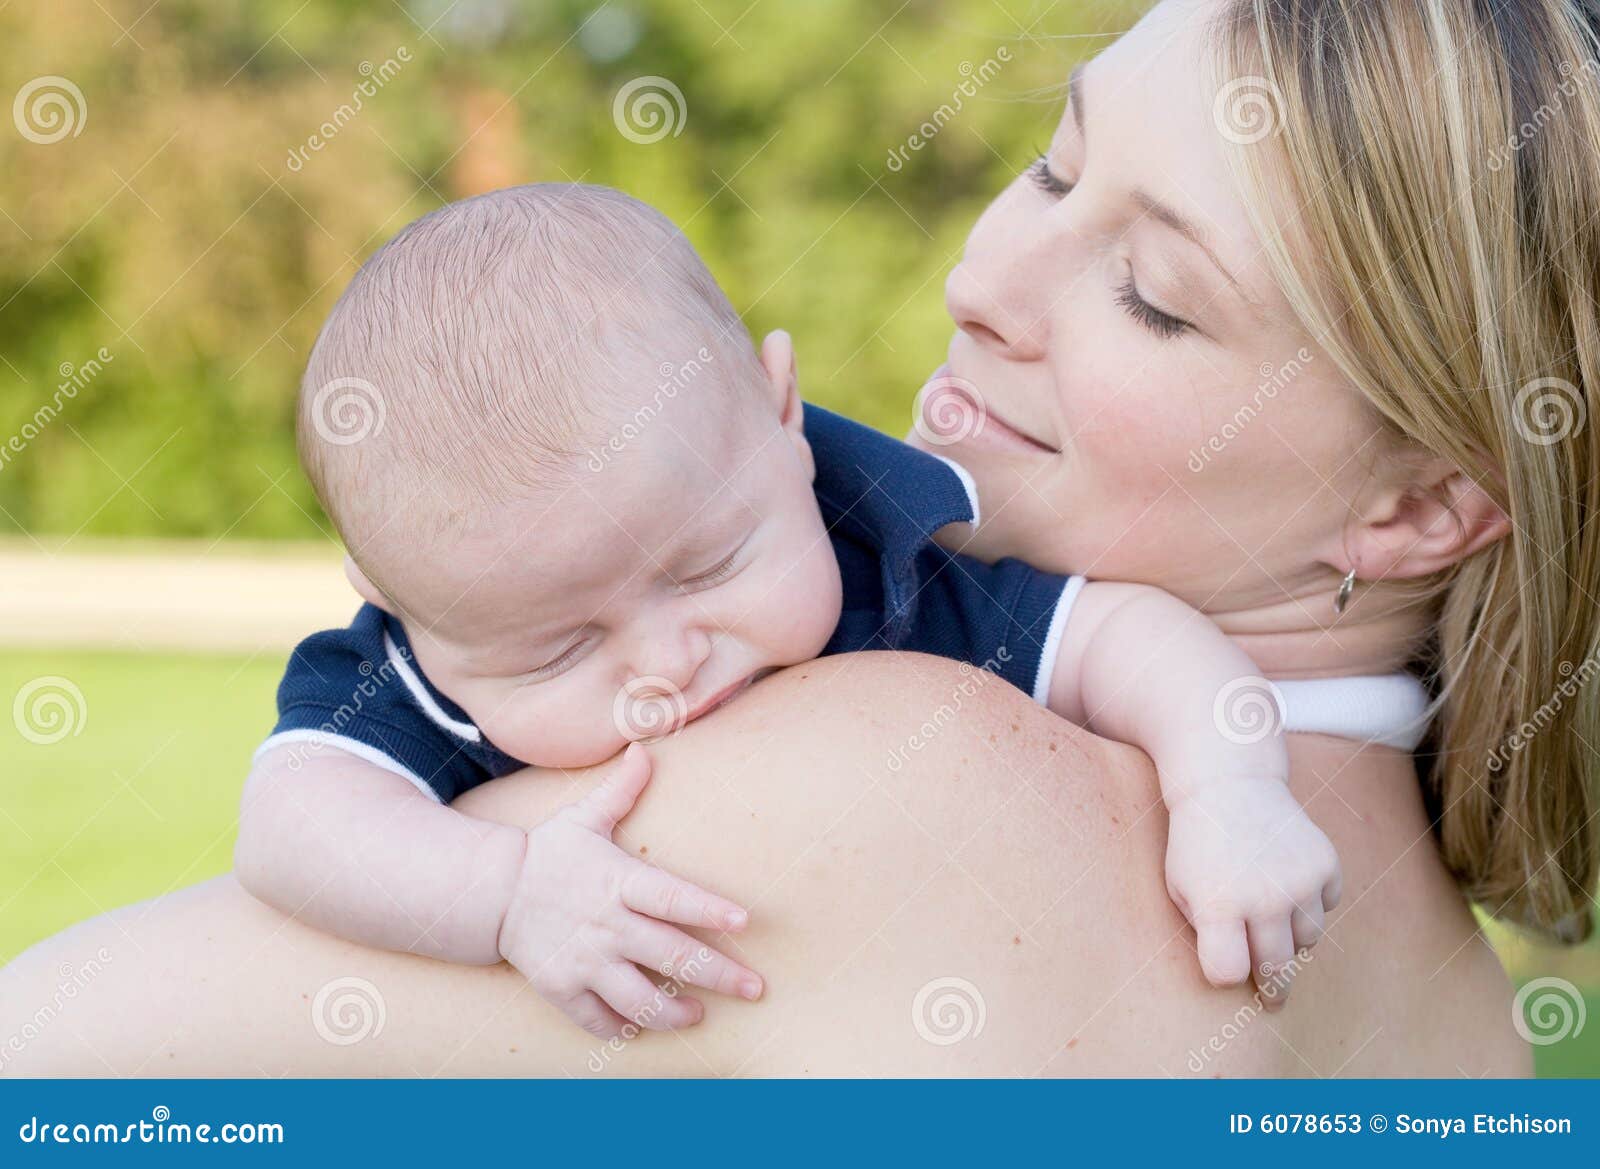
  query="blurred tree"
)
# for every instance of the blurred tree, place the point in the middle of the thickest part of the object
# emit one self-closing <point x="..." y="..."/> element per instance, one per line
<point x="189" y="185"/>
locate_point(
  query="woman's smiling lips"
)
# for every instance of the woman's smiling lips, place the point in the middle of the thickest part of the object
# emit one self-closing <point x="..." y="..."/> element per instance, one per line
<point x="954" y="410"/>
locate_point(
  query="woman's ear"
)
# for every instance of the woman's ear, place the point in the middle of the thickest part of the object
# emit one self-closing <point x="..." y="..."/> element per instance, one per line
<point x="363" y="585"/>
<point x="1425" y="526"/>
<point x="783" y="385"/>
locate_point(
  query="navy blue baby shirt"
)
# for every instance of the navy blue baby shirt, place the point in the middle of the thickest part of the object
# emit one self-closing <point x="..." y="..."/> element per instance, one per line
<point x="359" y="689"/>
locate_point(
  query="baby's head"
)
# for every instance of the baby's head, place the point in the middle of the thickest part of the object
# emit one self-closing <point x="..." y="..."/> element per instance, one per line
<point x="570" y="476"/>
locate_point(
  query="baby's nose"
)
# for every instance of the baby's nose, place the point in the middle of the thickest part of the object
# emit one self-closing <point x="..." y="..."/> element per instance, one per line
<point x="677" y="657"/>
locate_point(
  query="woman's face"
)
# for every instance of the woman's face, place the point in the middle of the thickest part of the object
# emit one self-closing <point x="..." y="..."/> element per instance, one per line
<point x="1150" y="410"/>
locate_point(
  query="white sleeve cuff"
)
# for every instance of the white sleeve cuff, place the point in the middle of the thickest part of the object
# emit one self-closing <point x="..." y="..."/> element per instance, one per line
<point x="1052" y="639"/>
<point x="316" y="740"/>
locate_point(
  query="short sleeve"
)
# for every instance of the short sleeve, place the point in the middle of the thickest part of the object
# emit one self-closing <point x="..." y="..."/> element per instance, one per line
<point x="350" y="689"/>
<point x="1006" y="617"/>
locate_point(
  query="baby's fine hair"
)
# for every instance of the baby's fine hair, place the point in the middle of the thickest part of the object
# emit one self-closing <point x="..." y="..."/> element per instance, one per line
<point x="479" y="352"/>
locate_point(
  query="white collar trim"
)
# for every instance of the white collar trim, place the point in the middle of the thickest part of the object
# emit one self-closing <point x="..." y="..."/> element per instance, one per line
<point x="967" y="482"/>
<point x="425" y="700"/>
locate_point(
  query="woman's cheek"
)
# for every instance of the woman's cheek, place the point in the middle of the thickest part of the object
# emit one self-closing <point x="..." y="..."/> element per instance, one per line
<point x="1130" y="447"/>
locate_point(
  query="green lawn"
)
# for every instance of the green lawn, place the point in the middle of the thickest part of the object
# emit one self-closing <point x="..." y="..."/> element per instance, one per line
<point x="141" y="798"/>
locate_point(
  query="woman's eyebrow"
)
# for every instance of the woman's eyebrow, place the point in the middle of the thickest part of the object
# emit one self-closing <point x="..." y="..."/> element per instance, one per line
<point x="1152" y="206"/>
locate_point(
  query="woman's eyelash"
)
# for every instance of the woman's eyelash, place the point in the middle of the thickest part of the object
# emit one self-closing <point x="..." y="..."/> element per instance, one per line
<point x="1045" y="179"/>
<point x="1152" y="318"/>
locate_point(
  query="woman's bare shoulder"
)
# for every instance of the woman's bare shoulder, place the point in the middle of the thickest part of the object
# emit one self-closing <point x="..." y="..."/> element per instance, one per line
<point x="899" y="826"/>
<point x="1042" y="845"/>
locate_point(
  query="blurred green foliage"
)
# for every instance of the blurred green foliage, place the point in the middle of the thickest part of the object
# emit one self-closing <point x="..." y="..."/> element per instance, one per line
<point x="188" y="227"/>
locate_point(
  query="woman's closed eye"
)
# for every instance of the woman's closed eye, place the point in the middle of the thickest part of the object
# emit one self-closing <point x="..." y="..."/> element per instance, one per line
<point x="1162" y="324"/>
<point x="1046" y="179"/>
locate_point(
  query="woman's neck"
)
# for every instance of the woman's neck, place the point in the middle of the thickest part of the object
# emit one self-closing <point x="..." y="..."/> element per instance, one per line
<point x="1301" y="636"/>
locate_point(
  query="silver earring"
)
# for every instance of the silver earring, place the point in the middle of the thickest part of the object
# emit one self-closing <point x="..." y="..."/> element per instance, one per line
<point x="1346" y="587"/>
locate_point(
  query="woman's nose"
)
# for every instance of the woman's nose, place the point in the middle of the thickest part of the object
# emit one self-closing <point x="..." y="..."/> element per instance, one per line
<point x="996" y="312"/>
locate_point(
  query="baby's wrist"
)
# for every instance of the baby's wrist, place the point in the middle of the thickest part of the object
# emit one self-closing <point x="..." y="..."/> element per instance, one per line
<point x="505" y="863"/>
<point x="1181" y="786"/>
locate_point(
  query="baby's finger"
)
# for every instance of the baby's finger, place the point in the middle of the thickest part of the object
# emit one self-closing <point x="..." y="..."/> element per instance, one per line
<point x="656" y="893"/>
<point x="1307" y="925"/>
<point x="615" y="796"/>
<point x="675" y="954"/>
<point x="1224" y="953"/>
<point x="1334" y="889"/>
<point x="1271" y="949"/>
<point x="642" y="1002"/>
<point x="588" y="1012"/>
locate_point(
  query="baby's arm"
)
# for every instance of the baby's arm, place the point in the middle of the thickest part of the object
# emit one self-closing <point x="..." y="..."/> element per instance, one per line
<point x="1245" y="863"/>
<point x="355" y="850"/>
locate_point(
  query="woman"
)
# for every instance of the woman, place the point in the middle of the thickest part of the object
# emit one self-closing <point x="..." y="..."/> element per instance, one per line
<point x="945" y="879"/>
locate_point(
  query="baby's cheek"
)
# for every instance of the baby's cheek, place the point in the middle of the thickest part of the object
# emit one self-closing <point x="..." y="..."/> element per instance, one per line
<point x="555" y="734"/>
<point x="814" y="599"/>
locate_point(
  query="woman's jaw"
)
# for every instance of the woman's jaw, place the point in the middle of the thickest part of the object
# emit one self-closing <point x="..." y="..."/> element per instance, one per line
<point x="1024" y="479"/>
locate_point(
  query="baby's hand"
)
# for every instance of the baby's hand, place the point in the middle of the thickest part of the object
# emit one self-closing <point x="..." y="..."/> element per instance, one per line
<point x="584" y="913"/>
<point x="1254" y="876"/>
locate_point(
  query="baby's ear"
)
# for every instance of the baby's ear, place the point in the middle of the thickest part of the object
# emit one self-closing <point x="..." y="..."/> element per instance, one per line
<point x="363" y="585"/>
<point x="783" y="382"/>
<point x="783" y="378"/>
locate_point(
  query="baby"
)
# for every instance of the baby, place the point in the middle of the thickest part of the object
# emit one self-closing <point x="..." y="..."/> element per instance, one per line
<point x="583" y="512"/>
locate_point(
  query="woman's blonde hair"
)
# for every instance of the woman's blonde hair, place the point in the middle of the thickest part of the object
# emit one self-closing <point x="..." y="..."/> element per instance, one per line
<point x="1425" y="177"/>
